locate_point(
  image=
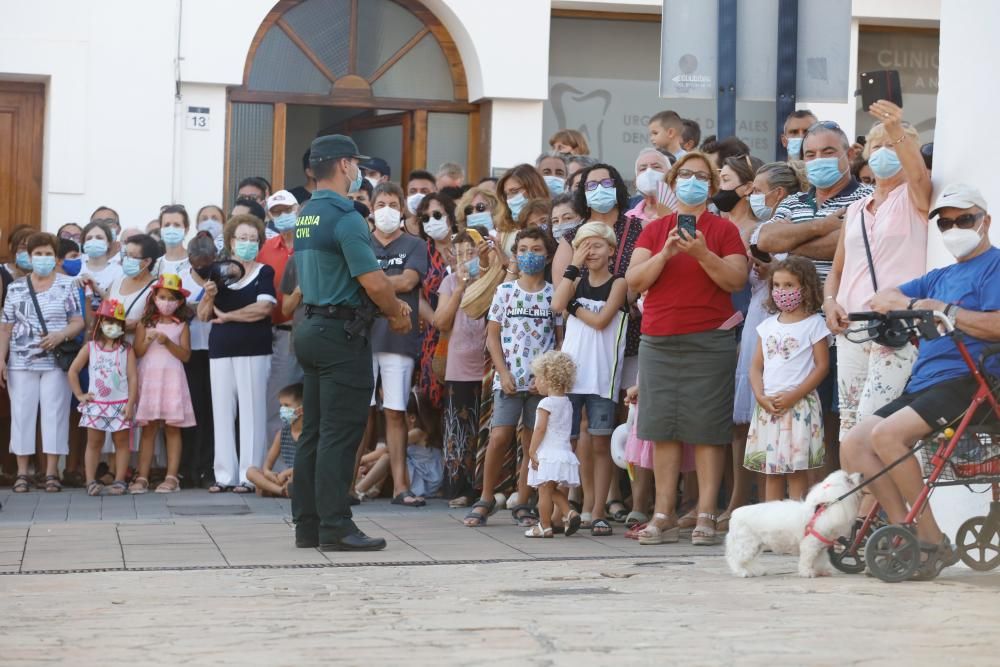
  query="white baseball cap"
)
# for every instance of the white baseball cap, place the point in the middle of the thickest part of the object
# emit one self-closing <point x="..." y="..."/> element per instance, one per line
<point x="958" y="195"/>
<point x="281" y="198"/>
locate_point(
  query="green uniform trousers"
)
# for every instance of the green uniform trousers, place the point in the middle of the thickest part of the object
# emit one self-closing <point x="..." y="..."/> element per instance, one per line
<point x="338" y="386"/>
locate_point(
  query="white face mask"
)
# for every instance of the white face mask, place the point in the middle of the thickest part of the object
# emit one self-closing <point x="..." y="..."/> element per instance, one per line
<point x="413" y="201"/>
<point x="961" y="242"/>
<point x="437" y="229"/>
<point x="648" y="181"/>
<point x="387" y="220"/>
<point x="371" y="179"/>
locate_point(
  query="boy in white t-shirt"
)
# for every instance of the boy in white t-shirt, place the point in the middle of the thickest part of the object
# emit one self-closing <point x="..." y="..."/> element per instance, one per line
<point x="520" y="326"/>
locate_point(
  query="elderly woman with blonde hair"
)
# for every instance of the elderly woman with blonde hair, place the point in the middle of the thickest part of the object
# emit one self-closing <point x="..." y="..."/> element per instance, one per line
<point x="883" y="244"/>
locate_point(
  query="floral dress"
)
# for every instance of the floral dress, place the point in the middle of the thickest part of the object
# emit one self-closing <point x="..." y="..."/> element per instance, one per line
<point x="437" y="269"/>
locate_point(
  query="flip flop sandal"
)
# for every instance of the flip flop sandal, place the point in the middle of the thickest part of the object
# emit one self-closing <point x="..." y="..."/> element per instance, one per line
<point x="600" y="528"/>
<point x="704" y="536"/>
<point x="479" y="519"/>
<point x="573" y="522"/>
<point x="22" y="484"/>
<point x="52" y="484"/>
<point x="400" y="499"/>
<point x="117" y="488"/>
<point x="524" y="516"/>
<point x="635" y="518"/>
<point x="94" y="488"/>
<point x="538" y="531"/>
<point x="621" y="515"/>
<point x="939" y="556"/>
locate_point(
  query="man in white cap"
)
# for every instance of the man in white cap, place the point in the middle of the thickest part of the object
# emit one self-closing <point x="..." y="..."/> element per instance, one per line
<point x="283" y="208"/>
<point x="941" y="387"/>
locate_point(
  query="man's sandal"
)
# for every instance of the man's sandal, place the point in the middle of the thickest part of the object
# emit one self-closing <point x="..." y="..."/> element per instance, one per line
<point x="653" y="534"/>
<point x="476" y="519"/>
<point x="94" y="488"/>
<point x="939" y="556"/>
<point x="600" y="528"/>
<point x="524" y="516"/>
<point x="618" y="516"/>
<point x="52" y="484"/>
<point x="704" y="536"/>
<point x="22" y="485"/>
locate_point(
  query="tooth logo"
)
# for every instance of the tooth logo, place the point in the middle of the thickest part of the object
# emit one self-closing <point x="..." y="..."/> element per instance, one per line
<point x="587" y="112"/>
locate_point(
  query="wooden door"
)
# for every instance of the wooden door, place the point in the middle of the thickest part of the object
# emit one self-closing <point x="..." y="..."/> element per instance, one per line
<point x="22" y="109"/>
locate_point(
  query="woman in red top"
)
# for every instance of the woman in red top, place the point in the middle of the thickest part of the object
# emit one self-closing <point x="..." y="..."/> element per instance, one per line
<point x="688" y="352"/>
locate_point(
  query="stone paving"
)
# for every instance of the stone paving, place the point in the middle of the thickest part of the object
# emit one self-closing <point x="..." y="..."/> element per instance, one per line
<point x="192" y="578"/>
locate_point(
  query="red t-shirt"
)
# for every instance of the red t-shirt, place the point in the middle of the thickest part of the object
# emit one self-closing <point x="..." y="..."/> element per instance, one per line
<point x="276" y="254"/>
<point x="684" y="299"/>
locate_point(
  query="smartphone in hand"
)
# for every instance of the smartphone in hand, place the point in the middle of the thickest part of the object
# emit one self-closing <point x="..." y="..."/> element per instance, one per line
<point x="880" y="85"/>
<point x="687" y="225"/>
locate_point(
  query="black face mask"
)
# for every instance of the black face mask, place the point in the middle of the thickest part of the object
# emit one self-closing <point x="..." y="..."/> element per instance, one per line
<point x="726" y="200"/>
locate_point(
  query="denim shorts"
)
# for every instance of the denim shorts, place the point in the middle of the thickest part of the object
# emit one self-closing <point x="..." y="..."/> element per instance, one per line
<point x="601" y="414"/>
<point x="510" y="410"/>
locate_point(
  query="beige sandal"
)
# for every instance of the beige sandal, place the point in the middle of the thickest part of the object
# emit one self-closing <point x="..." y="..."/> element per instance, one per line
<point x="722" y="523"/>
<point x="687" y="522"/>
<point x="704" y="536"/>
<point x="169" y="485"/>
<point x="138" y="486"/>
<point x="653" y="534"/>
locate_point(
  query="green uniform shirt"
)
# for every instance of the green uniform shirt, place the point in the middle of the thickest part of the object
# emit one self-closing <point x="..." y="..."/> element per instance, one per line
<point x="332" y="248"/>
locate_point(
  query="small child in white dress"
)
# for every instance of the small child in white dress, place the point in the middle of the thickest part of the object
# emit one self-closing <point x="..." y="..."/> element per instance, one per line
<point x="553" y="463"/>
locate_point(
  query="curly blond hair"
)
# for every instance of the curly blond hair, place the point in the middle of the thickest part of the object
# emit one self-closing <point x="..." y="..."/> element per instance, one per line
<point x="557" y="368"/>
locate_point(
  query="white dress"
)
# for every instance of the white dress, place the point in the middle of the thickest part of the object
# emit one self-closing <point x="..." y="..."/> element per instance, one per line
<point x="556" y="460"/>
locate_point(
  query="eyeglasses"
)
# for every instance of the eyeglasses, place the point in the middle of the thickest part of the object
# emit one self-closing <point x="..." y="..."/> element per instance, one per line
<point x="606" y="182"/>
<point x="106" y="221"/>
<point x="478" y="208"/>
<point x="246" y="239"/>
<point x="700" y="175"/>
<point x="426" y="217"/>
<point x="967" y="221"/>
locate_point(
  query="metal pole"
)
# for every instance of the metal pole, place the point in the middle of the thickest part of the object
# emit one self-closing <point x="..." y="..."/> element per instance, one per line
<point x="788" y="38"/>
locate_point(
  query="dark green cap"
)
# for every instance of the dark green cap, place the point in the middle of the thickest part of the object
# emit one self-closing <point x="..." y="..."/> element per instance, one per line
<point x="333" y="147"/>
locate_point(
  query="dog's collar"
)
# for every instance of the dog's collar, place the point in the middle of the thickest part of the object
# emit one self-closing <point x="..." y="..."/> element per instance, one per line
<point x="811" y="526"/>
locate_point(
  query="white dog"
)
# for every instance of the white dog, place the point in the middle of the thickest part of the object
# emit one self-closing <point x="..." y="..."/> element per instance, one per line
<point x="804" y="527"/>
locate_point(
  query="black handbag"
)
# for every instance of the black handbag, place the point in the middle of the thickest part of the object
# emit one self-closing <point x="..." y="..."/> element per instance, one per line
<point x="65" y="352"/>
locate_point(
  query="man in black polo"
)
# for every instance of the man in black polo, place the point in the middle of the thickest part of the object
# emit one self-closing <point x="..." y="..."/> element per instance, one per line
<point x="335" y="262"/>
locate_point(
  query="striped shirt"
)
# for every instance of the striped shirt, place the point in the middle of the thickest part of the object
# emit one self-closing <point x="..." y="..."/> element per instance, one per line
<point x="803" y="207"/>
<point x="59" y="303"/>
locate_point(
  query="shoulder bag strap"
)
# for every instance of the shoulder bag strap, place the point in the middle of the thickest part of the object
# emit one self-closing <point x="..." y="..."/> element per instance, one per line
<point x="868" y="249"/>
<point x="138" y="296"/>
<point x="38" y="309"/>
<point x="621" y="244"/>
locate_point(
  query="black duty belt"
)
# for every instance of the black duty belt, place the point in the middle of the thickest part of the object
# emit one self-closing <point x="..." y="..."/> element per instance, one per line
<point x="283" y="327"/>
<point x="332" y="312"/>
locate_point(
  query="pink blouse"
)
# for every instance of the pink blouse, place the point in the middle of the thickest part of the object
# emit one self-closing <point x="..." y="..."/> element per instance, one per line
<point x="897" y="234"/>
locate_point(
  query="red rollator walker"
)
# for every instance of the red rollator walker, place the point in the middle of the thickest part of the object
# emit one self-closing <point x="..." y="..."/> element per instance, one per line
<point x="955" y="455"/>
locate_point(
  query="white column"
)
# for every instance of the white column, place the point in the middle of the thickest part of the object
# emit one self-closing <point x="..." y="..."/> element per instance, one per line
<point x="516" y="133"/>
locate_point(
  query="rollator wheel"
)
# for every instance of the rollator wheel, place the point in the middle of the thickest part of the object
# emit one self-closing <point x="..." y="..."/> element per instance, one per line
<point x="978" y="544"/>
<point x="846" y="560"/>
<point x="893" y="554"/>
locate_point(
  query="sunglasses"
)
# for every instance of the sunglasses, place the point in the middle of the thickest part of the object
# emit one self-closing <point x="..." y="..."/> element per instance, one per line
<point x="607" y="182"/>
<point x="426" y="217"/>
<point x="967" y="221"/>
<point x="825" y="124"/>
<point x="478" y="208"/>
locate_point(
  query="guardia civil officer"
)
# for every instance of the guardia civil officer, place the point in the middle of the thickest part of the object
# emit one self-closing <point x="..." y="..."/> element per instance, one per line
<point x="335" y="262"/>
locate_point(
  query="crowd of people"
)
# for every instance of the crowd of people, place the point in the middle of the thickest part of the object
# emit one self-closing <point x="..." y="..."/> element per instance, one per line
<point x="710" y="299"/>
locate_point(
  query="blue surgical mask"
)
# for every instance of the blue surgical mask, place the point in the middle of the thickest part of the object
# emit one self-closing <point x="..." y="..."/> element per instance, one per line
<point x="172" y="236"/>
<point x="794" y="148"/>
<point x="691" y="191"/>
<point x="515" y="204"/>
<point x="472" y="266"/>
<point x="285" y="222"/>
<point x="556" y="185"/>
<point x="246" y="250"/>
<point x="884" y="163"/>
<point x="824" y="171"/>
<point x="558" y="230"/>
<point x="761" y="210"/>
<point x="481" y="219"/>
<point x="131" y="266"/>
<point x="23" y="260"/>
<point x="72" y="266"/>
<point x="43" y="265"/>
<point x="602" y="198"/>
<point x="287" y="414"/>
<point x="531" y="263"/>
<point x="95" y="248"/>
<point x="356" y="183"/>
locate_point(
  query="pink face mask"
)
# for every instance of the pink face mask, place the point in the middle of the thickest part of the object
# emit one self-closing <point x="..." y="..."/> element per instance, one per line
<point x="167" y="307"/>
<point x="787" y="300"/>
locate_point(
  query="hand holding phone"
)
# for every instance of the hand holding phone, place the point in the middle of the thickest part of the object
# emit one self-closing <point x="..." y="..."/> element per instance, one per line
<point x="687" y="225"/>
<point x="880" y="85"/>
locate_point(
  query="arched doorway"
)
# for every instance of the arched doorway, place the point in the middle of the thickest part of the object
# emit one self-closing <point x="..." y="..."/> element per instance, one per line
<point x="383" y="71"/>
